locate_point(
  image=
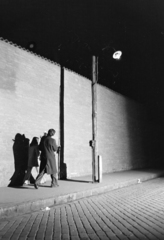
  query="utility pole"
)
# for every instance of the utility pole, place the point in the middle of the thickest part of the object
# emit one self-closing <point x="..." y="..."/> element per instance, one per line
<point x="62" y="169"/>
<point x="94" y="115"/>
<point x="94" y="143"/>
<point x="61" y="125"/>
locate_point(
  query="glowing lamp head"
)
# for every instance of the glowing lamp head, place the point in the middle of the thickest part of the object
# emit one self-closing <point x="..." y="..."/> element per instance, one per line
<point x="117" y="55"/>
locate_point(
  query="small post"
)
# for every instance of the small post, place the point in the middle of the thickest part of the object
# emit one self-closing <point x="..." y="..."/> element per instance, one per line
<point x="99" y="169"/>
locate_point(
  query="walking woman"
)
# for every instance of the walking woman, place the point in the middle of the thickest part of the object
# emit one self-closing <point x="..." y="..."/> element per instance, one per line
<point x="32" y="159"/>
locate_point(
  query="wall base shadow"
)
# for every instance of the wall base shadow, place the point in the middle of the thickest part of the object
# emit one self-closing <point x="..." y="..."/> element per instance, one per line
<point x="74" y="180"/>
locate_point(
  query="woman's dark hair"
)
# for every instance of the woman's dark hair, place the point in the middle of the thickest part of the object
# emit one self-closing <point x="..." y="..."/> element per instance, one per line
<point x="51" y="132"/>
<point x="34" y="141"/>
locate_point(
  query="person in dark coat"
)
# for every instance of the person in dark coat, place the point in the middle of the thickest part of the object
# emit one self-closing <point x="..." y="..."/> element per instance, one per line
<point x="41" y="149"/>
<point x="43" y="180"/>
<point x="48" y="159"/>
<point x="26" y="145"/>
<point x="42" y="140"/>
<point x="32" y="159"/>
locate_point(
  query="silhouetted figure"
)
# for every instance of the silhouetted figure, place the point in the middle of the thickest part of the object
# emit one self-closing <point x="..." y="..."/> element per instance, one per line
<point x="48" y="160"/>
<point x="26" y="143"/>
<point x="41" y="145"/>
<point x="33" y="155"/>
<point x="42" y="162"/>
<point x="20" y="152"/>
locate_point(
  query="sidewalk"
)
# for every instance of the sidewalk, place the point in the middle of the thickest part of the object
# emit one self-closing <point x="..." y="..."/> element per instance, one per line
<point x="15" y="201"/>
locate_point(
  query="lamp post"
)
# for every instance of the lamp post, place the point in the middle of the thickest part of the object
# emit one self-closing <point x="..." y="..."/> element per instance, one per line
<point x="117" y="56"/>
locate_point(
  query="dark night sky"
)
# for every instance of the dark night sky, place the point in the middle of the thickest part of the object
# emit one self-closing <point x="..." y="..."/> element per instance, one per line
<point x="83" y="28"/>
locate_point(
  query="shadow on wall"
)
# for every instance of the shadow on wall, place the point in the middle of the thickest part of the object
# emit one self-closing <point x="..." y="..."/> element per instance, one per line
<point x="21" y="146"/>
<point x="144" y="139"/>
<point x="20" y="152"/>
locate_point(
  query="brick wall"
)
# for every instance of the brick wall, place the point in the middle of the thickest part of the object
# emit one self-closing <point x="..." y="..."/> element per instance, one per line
<point x="78" y="124"/>
<point x="126" y="139"/>
<point x="120" y="132"/>
<point x="29" y="97"/>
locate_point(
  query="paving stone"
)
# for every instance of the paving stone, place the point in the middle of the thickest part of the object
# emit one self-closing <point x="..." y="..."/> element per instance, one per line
<point x="57" y="236"/>
<point x="83" y="236"/>
<point x="93" y="236"/>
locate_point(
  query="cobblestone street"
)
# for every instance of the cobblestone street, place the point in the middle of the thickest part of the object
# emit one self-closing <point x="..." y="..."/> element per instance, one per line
<point x="134" y="212"/>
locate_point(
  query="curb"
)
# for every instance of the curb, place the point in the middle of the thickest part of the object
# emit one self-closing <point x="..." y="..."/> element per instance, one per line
<point x="39" y="205"/>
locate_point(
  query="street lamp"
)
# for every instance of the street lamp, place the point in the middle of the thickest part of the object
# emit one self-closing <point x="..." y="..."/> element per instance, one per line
<point x="93" y="143"/>
<point x="117" y="55"/>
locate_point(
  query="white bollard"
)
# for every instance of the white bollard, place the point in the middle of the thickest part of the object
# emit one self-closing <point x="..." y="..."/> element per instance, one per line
<point x="99" y="168"/>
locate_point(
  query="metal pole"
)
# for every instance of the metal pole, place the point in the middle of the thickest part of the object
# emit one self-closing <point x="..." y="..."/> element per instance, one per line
<point x="94" y="116"/>
<point x="99" y="169"/>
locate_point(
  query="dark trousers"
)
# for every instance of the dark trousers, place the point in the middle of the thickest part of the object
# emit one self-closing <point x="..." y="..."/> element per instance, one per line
<point x="39" y="177"/>
<point x="28" y="174"/>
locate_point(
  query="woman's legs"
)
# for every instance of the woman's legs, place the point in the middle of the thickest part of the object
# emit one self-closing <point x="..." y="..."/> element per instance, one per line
<point x="54" y="182"/>
<point x="38" y="179"/>
<point x="27" y="176"/>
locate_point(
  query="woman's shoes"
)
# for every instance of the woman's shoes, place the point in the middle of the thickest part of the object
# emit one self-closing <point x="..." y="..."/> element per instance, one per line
<point x="27" y="182"/>
<point x="54" y="185"/>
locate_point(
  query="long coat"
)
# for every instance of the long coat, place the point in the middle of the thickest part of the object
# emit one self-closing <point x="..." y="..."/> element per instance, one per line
<point x="33" y="156"/>
<point x="48" y="158"/>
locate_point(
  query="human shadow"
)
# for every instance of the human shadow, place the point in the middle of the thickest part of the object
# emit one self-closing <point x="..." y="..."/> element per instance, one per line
<point x="45" y="186"/>
<point x="20" y="153"/>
